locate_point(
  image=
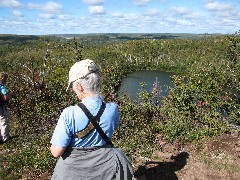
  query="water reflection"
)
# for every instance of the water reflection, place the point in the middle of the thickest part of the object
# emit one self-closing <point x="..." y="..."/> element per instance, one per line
<point x="131" y="84"/>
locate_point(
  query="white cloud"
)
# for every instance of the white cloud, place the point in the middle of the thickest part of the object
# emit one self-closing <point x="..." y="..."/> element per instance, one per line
<point x="96" y="10"/>
<point x="216" y="6"/>
<point x="93" y="2"/>
<point x="141" y="2"/>
<point x="181" y="10"/>
<point x="152" y="12"/>
<point x="224" y="14"/>
<point x="47" y="16"/>
<point x="234" y="14"/>
<point x="50" y="7"/>
<point x="95" y="6"/>
<point x="186" y="13"/>
<point x="10" y="3"/>
<point x="132" y="16"/>
<point x="17" y="13"/>
<point x="18" y="23"/>
<point x="117" y="14"/>
<point x="184" y="22"/>
<point x="65" y="17"/>
<point x="34" y="6"/>
<point x="193" y="15"/>
<point x="221" y="17"/>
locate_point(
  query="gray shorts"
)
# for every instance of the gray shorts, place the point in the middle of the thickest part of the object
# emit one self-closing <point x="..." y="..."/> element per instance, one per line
<point x="103" y="163"/>
<point x="4" y="123"/>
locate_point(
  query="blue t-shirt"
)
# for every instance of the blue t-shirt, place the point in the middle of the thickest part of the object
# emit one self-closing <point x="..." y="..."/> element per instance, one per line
<point x="73" y="120"/>
<point x="3" y="89"/>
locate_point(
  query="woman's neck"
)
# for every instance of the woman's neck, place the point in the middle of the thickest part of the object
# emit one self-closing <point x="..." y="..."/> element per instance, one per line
<point x="86" y="95"/>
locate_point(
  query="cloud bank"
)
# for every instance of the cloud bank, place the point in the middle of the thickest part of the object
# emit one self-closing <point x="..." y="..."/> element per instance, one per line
<point x="131" y="16"/>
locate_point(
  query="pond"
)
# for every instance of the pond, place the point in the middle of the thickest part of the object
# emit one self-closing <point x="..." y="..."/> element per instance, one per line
<point x="131" y="84"/>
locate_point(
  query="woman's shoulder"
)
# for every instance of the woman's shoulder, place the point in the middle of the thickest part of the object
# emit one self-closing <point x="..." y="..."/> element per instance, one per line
<point x="70" y="109"/>
<point x="69" y="113"/>
<point x="111" y="104"/>
<point x="76" y="109"/>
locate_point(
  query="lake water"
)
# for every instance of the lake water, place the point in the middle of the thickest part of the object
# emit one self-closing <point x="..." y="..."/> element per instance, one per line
<point x="131" y="84"/>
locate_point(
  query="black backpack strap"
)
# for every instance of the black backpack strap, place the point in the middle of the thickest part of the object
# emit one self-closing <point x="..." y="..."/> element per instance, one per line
<point x="100" y="112"/>
<point x="94" y="121"/>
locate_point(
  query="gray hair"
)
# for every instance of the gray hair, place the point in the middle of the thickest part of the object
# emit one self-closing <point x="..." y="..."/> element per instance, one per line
<point x="92" y="83"/>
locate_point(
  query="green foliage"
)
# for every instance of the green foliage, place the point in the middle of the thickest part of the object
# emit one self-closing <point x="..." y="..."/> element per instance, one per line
<point x="15" y="40"/>
<point x="138" y="127"/>
<point x="234" y="47"/>
<point x="204" y="102"/>
<point x="28" y="158"/>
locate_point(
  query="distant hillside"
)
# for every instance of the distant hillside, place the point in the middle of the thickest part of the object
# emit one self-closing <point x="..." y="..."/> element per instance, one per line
<point x="6" y="39"/>
<point x="108" y="38"/>
<point x="96" y="39"/>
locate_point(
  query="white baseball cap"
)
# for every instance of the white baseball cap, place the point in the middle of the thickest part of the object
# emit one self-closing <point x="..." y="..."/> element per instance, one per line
<point x="81" y="69"/>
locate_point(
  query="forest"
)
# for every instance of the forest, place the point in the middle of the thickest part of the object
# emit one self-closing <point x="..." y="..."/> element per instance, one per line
<point x="204" y="103"/>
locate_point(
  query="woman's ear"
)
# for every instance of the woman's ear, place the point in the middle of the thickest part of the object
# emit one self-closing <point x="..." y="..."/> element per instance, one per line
<point x="79" y="86"/>
<point x="79" y="90"/>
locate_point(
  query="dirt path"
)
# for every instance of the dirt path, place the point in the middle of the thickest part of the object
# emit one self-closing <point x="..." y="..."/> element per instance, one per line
<point x="217" y="159"/>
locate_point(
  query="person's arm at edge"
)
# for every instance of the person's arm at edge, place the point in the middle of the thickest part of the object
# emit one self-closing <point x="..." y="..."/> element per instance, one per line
<point x="57" y="151"/>
<point x="61" y="136"/>
<point x="7" y="97"/>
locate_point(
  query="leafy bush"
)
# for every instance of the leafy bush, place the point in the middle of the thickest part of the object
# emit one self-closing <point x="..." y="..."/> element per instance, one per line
<point x="204" y="102"/>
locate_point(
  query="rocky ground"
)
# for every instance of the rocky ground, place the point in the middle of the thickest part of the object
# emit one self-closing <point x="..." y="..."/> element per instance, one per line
<point x="215" y="159"/>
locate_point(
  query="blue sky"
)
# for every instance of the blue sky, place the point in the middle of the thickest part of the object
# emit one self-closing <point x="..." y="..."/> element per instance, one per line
<point x="38" y="17"/>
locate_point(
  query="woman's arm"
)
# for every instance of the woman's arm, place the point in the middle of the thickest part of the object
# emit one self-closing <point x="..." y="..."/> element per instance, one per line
<point x="56" y="150"/>
<point x="7" y="97"/>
